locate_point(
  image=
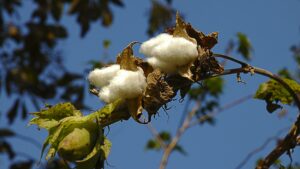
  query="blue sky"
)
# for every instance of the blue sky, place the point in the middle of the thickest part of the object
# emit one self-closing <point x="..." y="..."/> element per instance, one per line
<point x="272" y="27"/>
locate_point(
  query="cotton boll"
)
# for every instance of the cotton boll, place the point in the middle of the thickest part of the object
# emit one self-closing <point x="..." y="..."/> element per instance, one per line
<point x="128" y="84"/>
<point x="101" y="77"/>
<point x="108" y="95"/>
<point x="147" y="47"/>
<point x="163" y="66"/>
<point x="177" y="50"/>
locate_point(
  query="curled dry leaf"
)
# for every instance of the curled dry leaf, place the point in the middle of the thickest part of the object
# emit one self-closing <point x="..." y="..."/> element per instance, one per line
<point x="158" y="93"/>
<point x="205" y="63"/>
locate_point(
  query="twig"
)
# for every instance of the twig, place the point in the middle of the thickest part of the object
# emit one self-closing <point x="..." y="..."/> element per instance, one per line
<point x="225" y="107"/>
<point x="178" y="135"/>
<point x="262" y="147"/>
<point x="289" y="142"/>
<point x="156" y="135"/>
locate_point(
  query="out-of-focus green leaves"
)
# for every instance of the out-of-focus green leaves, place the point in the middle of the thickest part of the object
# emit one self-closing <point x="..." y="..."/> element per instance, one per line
<point x="91" y="11"/>
<point x="22" y="165"/>
<point x="106" y="43"/>
<point x="6" y="148"/>
<point x="12" y="112"/>
<point x="285" y="73"/>
<point x="160" y="17"/>
<point x="272" y="91"/>
<point x="154" y="144"/>
<point x="5" y="132"/>
<point x="212" y="87"/>
<point x="244" y="46"/>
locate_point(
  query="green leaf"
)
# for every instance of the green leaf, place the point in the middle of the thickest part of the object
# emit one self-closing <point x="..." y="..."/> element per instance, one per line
<point x="272" y="91"/>
<point x="180" y="149"/>
<point x="153" y="145"/>
<point x="285" y="73"/>
<point x="245" y="47"/>
<point x="212" y="86"/>
<point x="106" y="43"/>
<point x="49" y="117"/>
<point x="165" y="136"/>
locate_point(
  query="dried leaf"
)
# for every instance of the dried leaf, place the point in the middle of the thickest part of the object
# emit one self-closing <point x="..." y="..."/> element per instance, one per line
<point x="158" y="92"/>
<point x="180" y="29"/>
<point x="135" y="107"/>
<point x="126" y="60"/>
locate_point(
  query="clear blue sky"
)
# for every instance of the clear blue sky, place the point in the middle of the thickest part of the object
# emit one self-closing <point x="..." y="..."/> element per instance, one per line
<point x="271" y="25"/>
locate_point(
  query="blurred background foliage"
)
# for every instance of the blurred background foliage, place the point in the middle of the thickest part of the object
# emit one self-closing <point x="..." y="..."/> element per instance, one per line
<point x="32" y="66"/>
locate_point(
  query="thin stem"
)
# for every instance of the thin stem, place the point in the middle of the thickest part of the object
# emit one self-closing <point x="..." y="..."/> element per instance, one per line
<point x="156" y="135"/>
<point x="178" y="135"/>
<point x="225" y="107"/>
<point x="262" y="147"/>
<point x="290" y="140"/>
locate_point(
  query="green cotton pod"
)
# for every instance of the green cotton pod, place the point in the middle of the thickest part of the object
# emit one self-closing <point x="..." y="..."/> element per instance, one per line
<point x="79" y="142"/>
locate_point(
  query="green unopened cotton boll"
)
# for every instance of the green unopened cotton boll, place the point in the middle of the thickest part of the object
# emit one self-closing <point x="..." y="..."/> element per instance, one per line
<point x="79" y="142"/>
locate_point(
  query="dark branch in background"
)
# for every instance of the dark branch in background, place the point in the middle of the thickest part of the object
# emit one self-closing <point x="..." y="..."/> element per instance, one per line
<point x="290" y="140"/>
<point x="262" y="147"/>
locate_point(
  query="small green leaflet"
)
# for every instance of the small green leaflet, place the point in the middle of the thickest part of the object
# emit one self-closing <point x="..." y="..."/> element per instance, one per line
<point x="244" y="46"/>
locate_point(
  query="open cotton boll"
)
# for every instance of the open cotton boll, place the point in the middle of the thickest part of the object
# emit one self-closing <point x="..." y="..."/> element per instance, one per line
<point x="147" y="47"/>
<point x="101" y="77"/>
<point x="163" y="66"/>
<point x="128" y="84"/>
<point x="108" y="95"/>
<point x="176" y="50"/>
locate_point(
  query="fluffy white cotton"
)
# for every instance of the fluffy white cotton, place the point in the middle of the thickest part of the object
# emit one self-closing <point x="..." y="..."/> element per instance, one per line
<point x="167" y="52"/>
<point x="146" y="47"/>
<point x="163" y="66"/>
<point x="101" y="77"/>
<point x="125" y="85"/>
<point x="108" y="95"/>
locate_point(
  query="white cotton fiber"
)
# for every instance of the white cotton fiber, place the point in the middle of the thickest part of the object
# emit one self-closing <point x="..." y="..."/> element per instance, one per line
<point x="165" y="47"/>
<point x="101" y="77"/>
<point x="146" y="47"/>
<point x="108" y="95"/>
<point x="125" y="85"/>
<point x="163" y="66"/>
<point x="129" y="84"/>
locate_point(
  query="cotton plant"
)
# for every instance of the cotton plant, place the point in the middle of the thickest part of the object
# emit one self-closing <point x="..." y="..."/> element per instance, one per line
<point x="128" y="87"/>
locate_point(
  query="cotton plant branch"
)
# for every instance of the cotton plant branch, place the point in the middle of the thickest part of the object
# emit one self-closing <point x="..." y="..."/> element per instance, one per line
<point x="204" y="118"/>
<point x="156" y="135"/>
<point x="260" y="148"/>
<point x="188" y="122"/>
<point x="185" y="125"/>
<point x="290" y="140"/>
